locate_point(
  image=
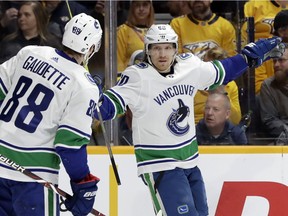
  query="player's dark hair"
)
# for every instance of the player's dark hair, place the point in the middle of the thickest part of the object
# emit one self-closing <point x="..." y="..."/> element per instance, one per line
<point x="70" y="51"/>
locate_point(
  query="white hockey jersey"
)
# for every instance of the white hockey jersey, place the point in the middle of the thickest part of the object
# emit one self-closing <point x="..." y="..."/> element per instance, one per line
<point x="47" y="102"/>
<point x="163" y="120"/>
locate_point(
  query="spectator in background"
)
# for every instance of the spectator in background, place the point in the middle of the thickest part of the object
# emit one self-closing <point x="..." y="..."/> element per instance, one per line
<point x="32" y="30"/>
<point x="217" y="53"/>
<point x="8" y="17"/>
<point x="281" y="25"/>
<point x="60" y="12"/>
<point x="264" y="13"/>
<point x="99" y="12"/>
<point x="273" y="99"/>
<point x="130" y="35"/>
<point x="202" y="29"/>
<point x="178" y="8"/>
<point x="215" y="128"/>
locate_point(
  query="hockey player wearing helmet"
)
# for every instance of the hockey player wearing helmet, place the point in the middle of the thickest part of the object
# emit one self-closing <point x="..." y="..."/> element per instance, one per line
<point x="47" y="98"/>
<point x="159" y="92"/>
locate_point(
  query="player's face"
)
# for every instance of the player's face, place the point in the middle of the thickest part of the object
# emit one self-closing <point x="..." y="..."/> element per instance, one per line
<point x="162" y="56"/>
<point x="215" y="113"/>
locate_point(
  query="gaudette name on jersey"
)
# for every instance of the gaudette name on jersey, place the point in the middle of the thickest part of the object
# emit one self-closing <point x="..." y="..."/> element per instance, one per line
<point x="46" y="71"/>
<point x="174" y="91"/>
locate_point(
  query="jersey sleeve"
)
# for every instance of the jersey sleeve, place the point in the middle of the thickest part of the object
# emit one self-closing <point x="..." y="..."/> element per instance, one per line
<point x="74" y="132"/>
<point x="7" y="72"/>
<point x="124" y="93"/>
<point x="234" y="67"/>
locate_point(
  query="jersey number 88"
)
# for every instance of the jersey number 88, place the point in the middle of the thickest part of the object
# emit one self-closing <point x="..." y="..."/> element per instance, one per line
<point x="29" y="116"/>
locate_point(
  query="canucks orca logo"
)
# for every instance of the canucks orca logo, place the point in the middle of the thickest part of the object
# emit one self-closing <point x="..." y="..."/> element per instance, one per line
<point x="177" y="121"/>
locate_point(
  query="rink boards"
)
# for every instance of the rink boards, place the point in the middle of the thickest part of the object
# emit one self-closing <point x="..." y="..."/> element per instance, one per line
<point x="240" y="181"/>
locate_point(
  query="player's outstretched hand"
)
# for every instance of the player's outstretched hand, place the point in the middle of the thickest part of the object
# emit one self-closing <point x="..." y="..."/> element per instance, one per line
<point x="84" y="194"/>
<point x="262" y="50"/>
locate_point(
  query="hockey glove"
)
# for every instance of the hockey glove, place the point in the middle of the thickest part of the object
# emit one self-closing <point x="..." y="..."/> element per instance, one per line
<point x="84" y="194"/>
<point x="256" y="53"/>
<point x="100" y="83"/>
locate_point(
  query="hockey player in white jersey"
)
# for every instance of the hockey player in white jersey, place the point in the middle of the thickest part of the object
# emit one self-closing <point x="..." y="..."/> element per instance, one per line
<point x="160" y="92"/>
<point x="47" y="98"/>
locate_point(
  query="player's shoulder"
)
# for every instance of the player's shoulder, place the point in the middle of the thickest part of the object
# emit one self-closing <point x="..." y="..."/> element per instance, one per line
<point x="89" y="79"/>
<point x="83" y="80"/>
<point x="137" y="68"/>
<point x="35" y="48"/>
<point x="184" y="57"/>
<point x="138" y="71"/>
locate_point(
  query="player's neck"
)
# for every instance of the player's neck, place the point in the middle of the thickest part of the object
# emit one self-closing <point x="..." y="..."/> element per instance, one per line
<point x="167" y="72"/>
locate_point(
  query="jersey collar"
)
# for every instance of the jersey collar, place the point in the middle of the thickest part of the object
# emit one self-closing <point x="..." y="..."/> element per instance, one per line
<point x="210" y="21"/>
<point x="64" y="55"/>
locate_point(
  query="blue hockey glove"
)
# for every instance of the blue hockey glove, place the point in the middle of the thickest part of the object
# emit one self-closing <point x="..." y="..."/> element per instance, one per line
<point x="84" y="194"/>
<point x="100" y="83"/>
<point x="256" y="53"/>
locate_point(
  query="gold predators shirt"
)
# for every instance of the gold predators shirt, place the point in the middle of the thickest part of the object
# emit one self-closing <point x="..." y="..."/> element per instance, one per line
<point x="198" y="36"/>
<point x="129" y="39"/>
<point x="263" y="13"/>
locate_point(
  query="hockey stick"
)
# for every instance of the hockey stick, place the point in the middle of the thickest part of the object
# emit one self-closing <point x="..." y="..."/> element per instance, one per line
<point x="159" y="213"/>
<point x="108" y="146"/>
<point x="39" y="180"/>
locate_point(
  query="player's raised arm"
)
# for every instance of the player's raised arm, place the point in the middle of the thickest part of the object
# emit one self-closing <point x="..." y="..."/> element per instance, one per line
<point x="252" y="55"/>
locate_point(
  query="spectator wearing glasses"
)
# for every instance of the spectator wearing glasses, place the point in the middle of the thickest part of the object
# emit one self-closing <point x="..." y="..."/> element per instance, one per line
<point x="273" y="99"/>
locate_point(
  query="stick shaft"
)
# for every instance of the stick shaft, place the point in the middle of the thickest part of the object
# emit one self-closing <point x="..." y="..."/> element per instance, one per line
<point x="107" y="143"/>
<point x="39" y="180"/>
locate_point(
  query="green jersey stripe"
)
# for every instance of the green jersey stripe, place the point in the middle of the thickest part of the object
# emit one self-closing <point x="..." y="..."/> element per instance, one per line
<point x="116" y="102"/>
<point x="69" y="138"/>
<point x="221" y="74"/>
<point x="144" y="155"/>
<point x="32" y="158"/>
